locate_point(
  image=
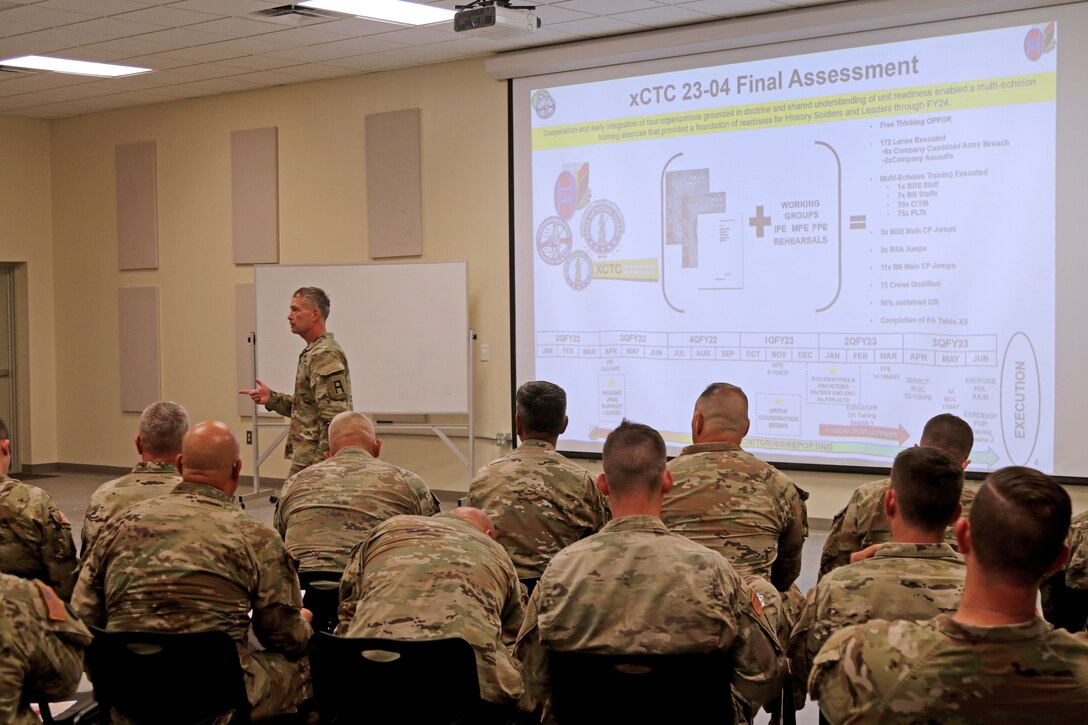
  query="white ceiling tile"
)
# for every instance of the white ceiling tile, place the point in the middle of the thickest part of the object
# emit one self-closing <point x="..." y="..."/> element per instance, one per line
<point x="169" y="17"/>
<point x="209" y="70"/>
<point x="100" y="7"/>
<point x="133" y="46"/>
<point x="269" y="78"/>
<point x="8" y="29"/>
<point x="25" y="82"/>
<point x="50" y="39"/>
<point x="257" y="62"/>
<point x="607" y="7"/>
<point x="663" y="17"/>
<point x="597" y="27"/>
<point x="182" y="91"/>
<point x="235" y="27"/>
<point x="418" y="36"/>
<point x="115" y="27"/>
<point x="227" y="7"/>
<point x="156" y="63"/>
<point x="42" y="17"/>
<point x="97" y="55"/>
<point x="733" y="8"/>
<point x="196" y="55"/>
<point x="316" y="70"/>
<point x="182" y="36"/>
<point x="222" y="85"/>
<point x="336" y="49"/>
<point x="244" y="46"/>
<point x="68" y="93"/>
<point x="140" y="82"/>
<point x="295" y="37"/>
<point x="551" y="14"/>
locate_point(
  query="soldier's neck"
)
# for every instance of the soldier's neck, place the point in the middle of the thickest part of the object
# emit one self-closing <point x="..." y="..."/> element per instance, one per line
<point x="904" y="533"/>
<point x="990" y="602"/>
<point x="315" y="332"/>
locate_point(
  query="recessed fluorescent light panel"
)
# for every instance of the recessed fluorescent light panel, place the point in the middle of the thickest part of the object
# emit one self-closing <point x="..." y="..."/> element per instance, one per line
<point x="389" y="11"/>
<point x="76" y="67"/>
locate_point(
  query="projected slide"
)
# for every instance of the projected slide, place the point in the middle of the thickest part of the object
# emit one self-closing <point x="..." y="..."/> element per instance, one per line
<point x="847" y="235"/>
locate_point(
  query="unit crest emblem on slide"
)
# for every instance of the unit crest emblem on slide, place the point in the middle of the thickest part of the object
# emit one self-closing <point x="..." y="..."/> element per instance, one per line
<point x="572" y="190"/>
<point x="578" y="271"/>
<point x="553" y="240"/>
<point x="543" y="104"/>
<point x="602" y="226"/>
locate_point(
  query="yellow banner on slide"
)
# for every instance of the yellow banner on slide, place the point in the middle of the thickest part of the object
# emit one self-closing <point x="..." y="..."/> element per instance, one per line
<point x="638" y="270"/>
<point x="908" y="101"/>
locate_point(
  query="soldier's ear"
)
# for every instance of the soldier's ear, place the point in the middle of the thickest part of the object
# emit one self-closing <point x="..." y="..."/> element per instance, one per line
<point x="177" y="464"/>
<point x="236" y="470"/>
<point x="566" y="420"/>
<point x="963" y="537"/>
<point x="890" y="504"/>
<point x="377" y="447"/>
<point x="1059" y="561"/>
<point x="602" y="484"/>
<point x="956" y="516"/>
<point x="666" y="481"/>
<point x="139" y="445"/>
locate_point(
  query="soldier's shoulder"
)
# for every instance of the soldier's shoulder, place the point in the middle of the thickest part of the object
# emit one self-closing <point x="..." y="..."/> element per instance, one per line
<point x="867" y="492"/>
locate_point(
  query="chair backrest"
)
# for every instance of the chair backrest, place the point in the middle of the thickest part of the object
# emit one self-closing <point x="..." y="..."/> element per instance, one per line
<point x="168" y="678"/>
<point x="383" y="680"/>
<point x="530" y="583"/>
<point x="596" y="688"/>
<point x="322" y="597"/>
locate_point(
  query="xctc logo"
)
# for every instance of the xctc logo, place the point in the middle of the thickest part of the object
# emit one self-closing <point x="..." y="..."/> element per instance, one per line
<point x="543" y="104"/>
<point x="1039" y="41"/>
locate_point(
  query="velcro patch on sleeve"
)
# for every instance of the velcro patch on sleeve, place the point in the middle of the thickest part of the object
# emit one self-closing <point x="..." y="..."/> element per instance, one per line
<point x="330" y="368"/>
<point x="54" y="607"/>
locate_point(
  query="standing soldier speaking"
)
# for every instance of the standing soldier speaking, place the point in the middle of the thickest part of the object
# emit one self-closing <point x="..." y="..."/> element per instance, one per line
<point x="322" y="383"/>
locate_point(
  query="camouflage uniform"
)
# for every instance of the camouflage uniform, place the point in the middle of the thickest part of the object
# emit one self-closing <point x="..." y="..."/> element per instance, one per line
<point x="539" y="502"/>
<point x="901" y="581"/>
<point x="863" y="523"/>
<point x="422" y="578"/>
<point x="192" y="561"/>
<point x="951" y="673"/>
<point x="328" y="508"/>
<point x="147" y="480"/>
<point x="730" y="501"/>
<point x="35" y="537"/>
<point x="41" y="648"/>
<point x="322" y="389"/>
<point x="637" y="588"/>
<point x="1065" y="593"/>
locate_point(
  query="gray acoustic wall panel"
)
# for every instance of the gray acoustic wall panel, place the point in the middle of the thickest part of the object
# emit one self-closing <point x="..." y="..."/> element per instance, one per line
<point x="255" y="195"/>
<point x="137" y="210"/>
<point x="138" y="327"/>
<point x="394" y="192"/>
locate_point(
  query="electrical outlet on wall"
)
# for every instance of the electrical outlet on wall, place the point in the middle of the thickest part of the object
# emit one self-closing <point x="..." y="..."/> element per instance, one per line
<point x="485" y="352"/>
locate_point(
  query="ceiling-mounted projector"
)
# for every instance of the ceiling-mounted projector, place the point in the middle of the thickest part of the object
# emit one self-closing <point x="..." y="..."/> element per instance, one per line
<point x="495" y="19"/>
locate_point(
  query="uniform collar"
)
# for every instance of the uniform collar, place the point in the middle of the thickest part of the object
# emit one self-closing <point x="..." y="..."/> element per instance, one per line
<point x="1031" y="629"/>
<point x="202" y="489"/>
<point x="317" y="339"/>
<point x="537" y="443"/>
<point x="350" y="452"/>
<point x="916" y="551"/>
<point x="635" y="523"/>
<point x="155" y="467"/>
<point x="712" y="446"/>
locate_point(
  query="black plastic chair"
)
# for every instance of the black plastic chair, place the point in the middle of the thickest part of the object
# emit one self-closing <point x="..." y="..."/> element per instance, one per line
<point x="641" y="688"/>
<point x="322" y="597"/>
<point x="166" y="678"/>
<point x="383" y="680"/>
<point x="530" y="583"/>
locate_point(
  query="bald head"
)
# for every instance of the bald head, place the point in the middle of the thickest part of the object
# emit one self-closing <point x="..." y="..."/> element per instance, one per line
<point x="209" y="454"/>
<point x="352" y="429"/>
<point x="721" y="414"/>
<point x="476" y="517"/>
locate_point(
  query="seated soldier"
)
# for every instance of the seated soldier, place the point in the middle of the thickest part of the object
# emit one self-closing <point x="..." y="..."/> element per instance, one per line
<point x="35" y="536"/>
<point x="538" y="500"/>
<point x="162" y="427"/>
<point x="995" y="659"/>
<point x="915" y="576"/>
<point x="1065" y="592"/>
<point x="328" y="508"/>
<point x="41" y="648"/>
<point x="192" y="561"/>
<point x="687" y="599"/>
<point x="862" y="522"/>
<point x="438" y="577"/>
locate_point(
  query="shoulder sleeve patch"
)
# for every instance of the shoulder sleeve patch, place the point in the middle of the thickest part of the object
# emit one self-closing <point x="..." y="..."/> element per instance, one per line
<point x="53" y="605"/>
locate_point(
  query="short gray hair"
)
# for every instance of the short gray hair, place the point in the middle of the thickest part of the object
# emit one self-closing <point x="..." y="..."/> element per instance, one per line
<point x="162" y="427"/>
<point x="316" y="297"/>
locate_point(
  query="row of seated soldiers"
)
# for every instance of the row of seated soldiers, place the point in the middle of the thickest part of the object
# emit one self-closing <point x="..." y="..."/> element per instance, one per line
<point x="930" y="623"/>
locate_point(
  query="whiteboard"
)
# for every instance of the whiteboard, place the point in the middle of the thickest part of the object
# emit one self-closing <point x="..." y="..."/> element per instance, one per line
<point x="403" y="327"/>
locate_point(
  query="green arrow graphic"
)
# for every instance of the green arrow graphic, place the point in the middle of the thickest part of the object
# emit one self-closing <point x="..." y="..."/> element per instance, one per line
<point x="866" y="449"/>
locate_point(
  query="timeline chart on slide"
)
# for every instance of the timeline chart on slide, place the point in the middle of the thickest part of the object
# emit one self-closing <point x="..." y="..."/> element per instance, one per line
<point x="857" y="238"/>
